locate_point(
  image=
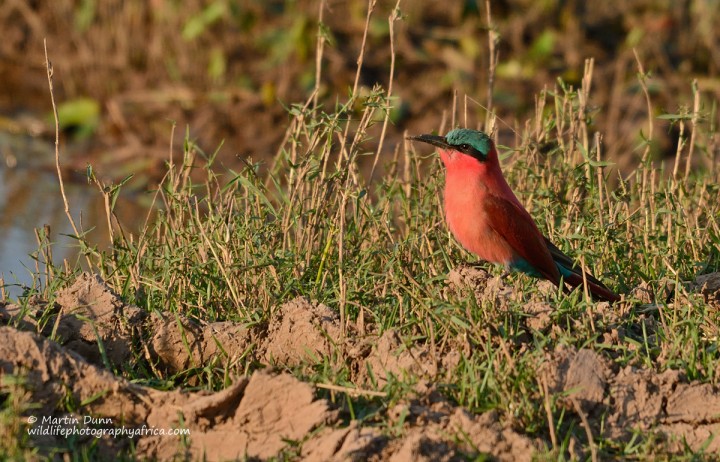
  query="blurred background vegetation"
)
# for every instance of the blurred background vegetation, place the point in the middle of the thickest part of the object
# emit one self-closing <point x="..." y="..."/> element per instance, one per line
<point x="125" y="70"/>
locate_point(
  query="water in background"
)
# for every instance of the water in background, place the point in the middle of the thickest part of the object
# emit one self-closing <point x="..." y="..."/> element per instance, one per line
<point x="29" y="199"/>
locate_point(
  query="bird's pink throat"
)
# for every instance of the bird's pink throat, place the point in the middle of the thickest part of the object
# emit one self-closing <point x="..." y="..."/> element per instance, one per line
<point x="454" y="160"/>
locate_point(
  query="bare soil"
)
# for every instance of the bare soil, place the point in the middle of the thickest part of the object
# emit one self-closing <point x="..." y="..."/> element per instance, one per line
<point x="270" y="412"/>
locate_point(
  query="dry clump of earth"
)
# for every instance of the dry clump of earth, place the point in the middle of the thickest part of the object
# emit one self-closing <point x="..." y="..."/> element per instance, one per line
<point x="269" y="413"/>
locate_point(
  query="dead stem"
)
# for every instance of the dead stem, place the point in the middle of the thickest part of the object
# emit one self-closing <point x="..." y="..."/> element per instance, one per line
<point x="388" y="99"/>
<point x="49" y="69"/>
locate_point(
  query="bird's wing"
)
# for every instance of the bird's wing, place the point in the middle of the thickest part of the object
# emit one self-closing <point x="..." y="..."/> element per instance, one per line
<point x="575" y="277"/>
<point x="562" y="259"/>
<point x="515" y="225"/>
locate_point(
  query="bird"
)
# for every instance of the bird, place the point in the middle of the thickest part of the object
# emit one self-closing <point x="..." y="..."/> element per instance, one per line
<point x="487" y="218"/>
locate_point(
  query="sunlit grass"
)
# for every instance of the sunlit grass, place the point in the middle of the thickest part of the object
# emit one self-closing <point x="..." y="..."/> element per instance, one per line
<point x="237" y="244"/>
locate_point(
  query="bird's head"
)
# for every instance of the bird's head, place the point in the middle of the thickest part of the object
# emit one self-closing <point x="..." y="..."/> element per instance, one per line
<point x="462" y="146"/>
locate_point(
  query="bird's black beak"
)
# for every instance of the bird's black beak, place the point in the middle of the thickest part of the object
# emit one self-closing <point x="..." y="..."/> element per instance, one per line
<point x="435" y="140"/>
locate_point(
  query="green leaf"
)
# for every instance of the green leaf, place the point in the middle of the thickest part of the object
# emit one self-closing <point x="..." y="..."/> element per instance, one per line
<point x="196" y="25"/>
<point x="82" y="114"/>
<point x="253" y="189"/>
<point x="218" y="64"/>
<point x="675" y="117"/>
<point x="543" y="46"/>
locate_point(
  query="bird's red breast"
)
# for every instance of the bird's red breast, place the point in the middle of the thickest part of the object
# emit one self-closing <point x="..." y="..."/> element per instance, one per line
<point x="465" y="214"/>
<point x="486" y="217"/>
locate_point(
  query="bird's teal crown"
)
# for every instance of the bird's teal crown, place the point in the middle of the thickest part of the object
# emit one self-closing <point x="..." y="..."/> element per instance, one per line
<point x="471" y="142"/>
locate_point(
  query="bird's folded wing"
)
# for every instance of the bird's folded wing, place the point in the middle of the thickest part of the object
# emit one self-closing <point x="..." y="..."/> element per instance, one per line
<point x="516" y="226"/>
<point x="567" y="262"/>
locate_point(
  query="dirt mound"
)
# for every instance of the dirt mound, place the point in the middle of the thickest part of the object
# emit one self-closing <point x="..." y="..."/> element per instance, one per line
<point x="51" y="372"/>
<point x="180" y="343"/>
<point x="92" y="313"/>
<point x="87" y="318"/>
<point x="632" y="399"/>
<point x="257" y="417"/>
<point x="253" y="417"/>
<point x="709" y="286"/>
<point x="265" y="415"/>
<point x="434" y="425"/>
<point x="300" y="331"/>
<point x="481" y="283"/>
<point x="390" y="357"/>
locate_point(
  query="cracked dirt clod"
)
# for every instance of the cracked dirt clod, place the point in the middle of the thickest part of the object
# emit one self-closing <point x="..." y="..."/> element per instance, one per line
<point x="433" y="425"/>
<point x="709" y="285"/>
<point x="279" y="408"/>
<point x="490" y="437"/>
<point x="48" y="367"/>
<point x="53" y="374"/>
<point x="639" y="399"/>
<point x="472" y="277"/>
<point x="249" y="418"/>
<point x="350" y="443"/>
<point x="481" y="283"/>
<point x="299" y="331"/>
<point x="260" y="415"/>
<point x="181" y="343"/>
<point x="390" y="357"/>
<point x="107" y="318"/>
<point x="417" y="446"/>
<point x="582" y="374"/>
<point x="539" y="318"/>
<point x="667" y="403"/>
<point x="90" y="312"/>
<point x="257" y="419"/>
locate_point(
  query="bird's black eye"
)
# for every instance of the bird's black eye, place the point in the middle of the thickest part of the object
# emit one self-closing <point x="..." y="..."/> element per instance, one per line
<point x="465" y="147"/>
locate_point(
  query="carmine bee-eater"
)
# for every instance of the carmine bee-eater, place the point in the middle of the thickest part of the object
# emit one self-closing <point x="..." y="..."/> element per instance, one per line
<point x="488" y="220"/>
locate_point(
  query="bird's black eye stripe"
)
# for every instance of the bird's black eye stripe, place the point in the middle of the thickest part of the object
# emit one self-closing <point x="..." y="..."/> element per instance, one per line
<point x="470" y="150"/>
